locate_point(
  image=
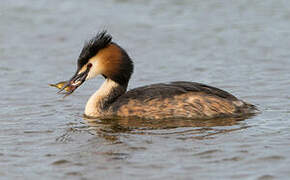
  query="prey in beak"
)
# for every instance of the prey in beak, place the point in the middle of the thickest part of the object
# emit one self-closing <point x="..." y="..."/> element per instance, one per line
<point x="77" y="80"/>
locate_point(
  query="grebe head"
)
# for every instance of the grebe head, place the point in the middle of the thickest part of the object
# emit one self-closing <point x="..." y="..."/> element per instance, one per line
<point x="101" y="56"/>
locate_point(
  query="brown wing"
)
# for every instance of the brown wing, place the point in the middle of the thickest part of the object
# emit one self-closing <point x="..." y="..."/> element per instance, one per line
<point x="198" y="87"/>
<point x="164" y="90"/>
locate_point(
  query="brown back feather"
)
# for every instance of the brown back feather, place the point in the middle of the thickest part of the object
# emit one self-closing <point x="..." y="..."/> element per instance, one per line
<point x="163" y="90"/>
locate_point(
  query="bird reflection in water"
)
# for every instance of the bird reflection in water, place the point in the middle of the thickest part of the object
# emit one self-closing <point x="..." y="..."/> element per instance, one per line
<point x="111" y="129"/>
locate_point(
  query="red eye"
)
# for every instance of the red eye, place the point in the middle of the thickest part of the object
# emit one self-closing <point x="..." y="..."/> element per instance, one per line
<point x="89" y="65"/>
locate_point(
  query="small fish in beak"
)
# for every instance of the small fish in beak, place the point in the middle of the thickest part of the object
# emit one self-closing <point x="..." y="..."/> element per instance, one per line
<point x="60" y="85"/>
<point x="71" y="85"/>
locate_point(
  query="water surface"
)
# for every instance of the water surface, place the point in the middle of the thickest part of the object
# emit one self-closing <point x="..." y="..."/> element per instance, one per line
<point x="242" y="47"/>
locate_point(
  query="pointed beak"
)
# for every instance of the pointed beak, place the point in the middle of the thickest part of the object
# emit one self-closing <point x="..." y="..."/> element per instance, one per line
<point x="77" y="80"/>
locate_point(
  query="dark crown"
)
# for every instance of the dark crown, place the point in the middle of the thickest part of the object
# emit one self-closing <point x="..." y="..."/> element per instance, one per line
<point x="92" y="47"/>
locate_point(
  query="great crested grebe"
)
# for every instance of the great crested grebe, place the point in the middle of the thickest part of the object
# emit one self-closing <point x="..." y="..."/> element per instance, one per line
<point x="101" y="56"/>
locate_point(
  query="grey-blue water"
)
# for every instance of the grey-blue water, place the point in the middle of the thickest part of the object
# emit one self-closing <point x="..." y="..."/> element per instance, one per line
<point x="240" y="46"/>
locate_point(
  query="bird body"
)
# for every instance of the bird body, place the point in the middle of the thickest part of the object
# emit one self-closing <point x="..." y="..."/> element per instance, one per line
<point x="165" y="100"/>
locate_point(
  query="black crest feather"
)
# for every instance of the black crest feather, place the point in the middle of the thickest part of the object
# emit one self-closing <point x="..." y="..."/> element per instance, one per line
<point x="91" y="48"/>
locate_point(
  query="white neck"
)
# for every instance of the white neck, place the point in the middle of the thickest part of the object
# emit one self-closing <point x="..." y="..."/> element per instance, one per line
<point x="104" y="95"/>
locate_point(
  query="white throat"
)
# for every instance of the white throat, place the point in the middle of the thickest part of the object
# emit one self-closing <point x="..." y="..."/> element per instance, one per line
<point x="94" y="104"/>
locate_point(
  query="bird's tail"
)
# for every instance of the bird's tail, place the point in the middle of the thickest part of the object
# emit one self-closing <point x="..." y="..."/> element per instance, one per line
<point x="244" y="108"/>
